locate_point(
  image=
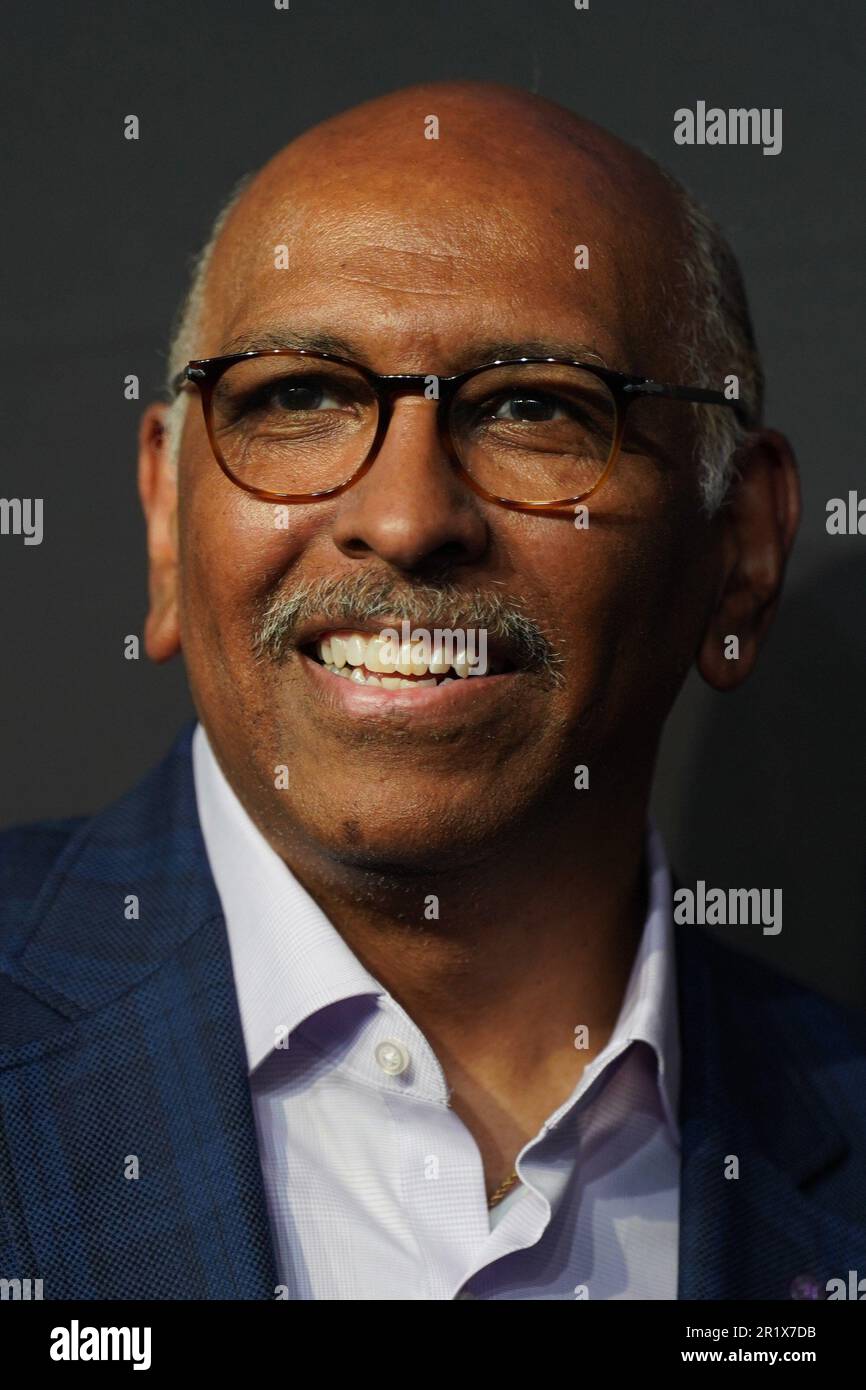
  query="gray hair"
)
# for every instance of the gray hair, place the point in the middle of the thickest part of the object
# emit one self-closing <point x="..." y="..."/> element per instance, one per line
<point x="182" y="345"/>
<point x="717" y="339"/>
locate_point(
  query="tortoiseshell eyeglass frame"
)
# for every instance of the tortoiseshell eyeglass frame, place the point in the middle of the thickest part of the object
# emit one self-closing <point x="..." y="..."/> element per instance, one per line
<point x="205" y="372"/>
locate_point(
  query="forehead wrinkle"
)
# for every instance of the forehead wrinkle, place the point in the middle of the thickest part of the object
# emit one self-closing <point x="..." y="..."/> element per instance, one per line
<point x="413" y="241"/>
<point x="405" y="270"/>
<point x="392" y="286"/>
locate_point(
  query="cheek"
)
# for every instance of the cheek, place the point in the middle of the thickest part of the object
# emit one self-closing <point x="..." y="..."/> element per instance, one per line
<point x="630" y="603"/>
<point x="233" y="550"/>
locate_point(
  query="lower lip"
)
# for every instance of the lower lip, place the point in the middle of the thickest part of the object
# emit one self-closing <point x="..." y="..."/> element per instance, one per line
<point x="457" y="697"/>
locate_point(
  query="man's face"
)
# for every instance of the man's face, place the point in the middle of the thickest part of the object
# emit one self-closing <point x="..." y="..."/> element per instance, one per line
<point x="429" y="264"/>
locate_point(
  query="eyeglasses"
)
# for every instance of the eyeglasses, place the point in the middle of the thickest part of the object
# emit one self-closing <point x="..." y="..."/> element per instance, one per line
<point x="537" y="433"/>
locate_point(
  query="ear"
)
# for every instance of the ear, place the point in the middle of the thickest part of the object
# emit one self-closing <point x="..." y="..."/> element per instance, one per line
<point x="759" y="522"/>
<point x="157" y="488"/>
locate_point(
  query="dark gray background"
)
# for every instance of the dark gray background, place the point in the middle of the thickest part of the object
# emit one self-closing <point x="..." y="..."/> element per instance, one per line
<point x="763" y="788"/>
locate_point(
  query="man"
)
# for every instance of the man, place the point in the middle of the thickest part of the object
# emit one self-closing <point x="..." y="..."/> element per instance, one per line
<point x="373" y="988"/>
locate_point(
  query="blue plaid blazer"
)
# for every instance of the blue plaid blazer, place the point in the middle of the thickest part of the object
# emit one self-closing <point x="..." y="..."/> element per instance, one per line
<point x="121" y="1053"/>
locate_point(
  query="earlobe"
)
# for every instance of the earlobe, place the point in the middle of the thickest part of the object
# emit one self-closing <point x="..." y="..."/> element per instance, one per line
<point x="162" y="630"/>
<point x="759" y="525"/>
<point x="730" y="647"/>
<point x="157" y="486"/>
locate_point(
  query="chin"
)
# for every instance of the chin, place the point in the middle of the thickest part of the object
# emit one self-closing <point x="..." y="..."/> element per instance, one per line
<point x="410" y="840"/>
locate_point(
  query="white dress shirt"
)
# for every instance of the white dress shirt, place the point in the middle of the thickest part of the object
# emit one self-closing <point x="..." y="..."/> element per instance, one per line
<point x="375" y="1186"/>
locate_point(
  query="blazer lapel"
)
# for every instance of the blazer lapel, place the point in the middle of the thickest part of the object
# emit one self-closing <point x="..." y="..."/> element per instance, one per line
<point x="747" y="1107"/>
<point x="130" y="1122"/>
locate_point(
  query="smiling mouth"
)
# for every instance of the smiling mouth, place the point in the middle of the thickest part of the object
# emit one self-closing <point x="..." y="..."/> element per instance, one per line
<point x="366" y="659"/>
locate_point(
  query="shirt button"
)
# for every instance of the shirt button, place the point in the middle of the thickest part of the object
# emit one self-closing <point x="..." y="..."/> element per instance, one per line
<point x="392" y="1057"/>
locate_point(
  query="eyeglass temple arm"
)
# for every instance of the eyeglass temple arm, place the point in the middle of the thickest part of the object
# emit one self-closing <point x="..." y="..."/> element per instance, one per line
<point x="686" y="393"/>
<point x="188" y="377"/>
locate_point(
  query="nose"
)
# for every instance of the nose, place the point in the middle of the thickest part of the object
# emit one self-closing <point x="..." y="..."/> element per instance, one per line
<point x="411" y="509"/>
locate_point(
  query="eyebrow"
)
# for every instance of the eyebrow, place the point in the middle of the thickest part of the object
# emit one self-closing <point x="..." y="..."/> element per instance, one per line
<point x="535" y="347"/>
<point x="319" y="341"/>
<point x="474" y="354"/>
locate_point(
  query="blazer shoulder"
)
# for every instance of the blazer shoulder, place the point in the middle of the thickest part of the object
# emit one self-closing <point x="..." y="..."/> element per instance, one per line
<point x="31" y="854"/>
<point x="27" y="856"/>
<point x="28" y="853"/>
<point x="752" y="992"/>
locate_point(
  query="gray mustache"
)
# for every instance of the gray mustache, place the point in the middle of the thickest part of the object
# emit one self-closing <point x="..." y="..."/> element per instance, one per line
<point x="347" y="601"/>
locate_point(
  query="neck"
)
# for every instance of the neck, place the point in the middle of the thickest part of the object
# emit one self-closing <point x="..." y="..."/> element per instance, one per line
<point x="505" y="957"/>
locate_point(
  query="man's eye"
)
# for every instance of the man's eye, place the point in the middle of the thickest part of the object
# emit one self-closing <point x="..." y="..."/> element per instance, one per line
<point x="529" y="408"/>
<point x="291" y="396"/>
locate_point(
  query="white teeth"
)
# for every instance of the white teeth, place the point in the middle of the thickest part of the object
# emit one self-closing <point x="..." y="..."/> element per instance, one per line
<point x="374" y="661"/>
<point x="356" y="650"/>
<point x="354" y="656"/>
<point x="438" y="665"/>
<point x="419" y="661"/>
<point x="356" y="674"/>
<point x="409" y="665"/>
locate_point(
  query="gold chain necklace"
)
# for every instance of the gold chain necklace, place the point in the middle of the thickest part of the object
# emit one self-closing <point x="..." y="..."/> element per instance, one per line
<point x="501" y="1190"/>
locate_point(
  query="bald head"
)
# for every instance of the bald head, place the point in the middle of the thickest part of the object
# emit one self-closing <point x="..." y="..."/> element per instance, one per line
<point x="415" y="205"/>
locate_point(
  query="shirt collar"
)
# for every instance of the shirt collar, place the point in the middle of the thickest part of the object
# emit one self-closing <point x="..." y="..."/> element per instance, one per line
<point x="649" y="1012"/>
<point x="289" y="961"/>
